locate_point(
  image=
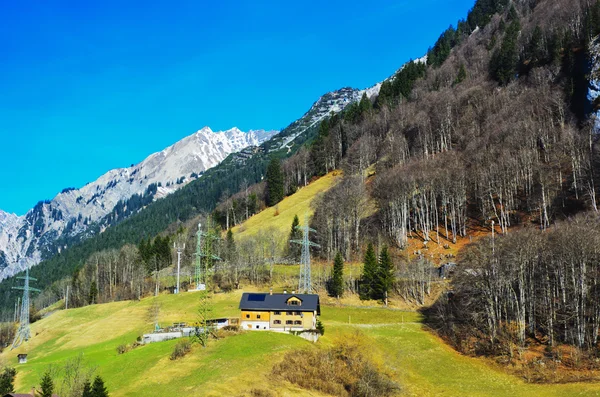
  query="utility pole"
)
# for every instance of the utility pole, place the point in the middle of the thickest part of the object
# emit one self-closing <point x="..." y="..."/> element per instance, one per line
<point x="67" y="298"/>
<point x="179" y="250"/>
<point x="305" y="282"/>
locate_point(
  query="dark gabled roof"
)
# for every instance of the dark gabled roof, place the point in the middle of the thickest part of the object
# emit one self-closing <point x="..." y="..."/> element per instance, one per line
<point x="265" y="301"/>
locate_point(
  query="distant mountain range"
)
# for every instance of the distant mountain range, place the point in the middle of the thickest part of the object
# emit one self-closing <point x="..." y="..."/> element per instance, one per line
<point x="26" y="240"/>
<point x="48" y="228"/>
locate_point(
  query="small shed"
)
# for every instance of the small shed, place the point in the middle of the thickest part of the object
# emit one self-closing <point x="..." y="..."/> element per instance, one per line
<point x="22" y="358"/>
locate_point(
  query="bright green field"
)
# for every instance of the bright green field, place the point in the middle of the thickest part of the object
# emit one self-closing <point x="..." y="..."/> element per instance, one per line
<point x="418" y="360"/>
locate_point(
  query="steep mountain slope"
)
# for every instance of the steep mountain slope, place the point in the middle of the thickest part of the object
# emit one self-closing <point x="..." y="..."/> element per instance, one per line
<point x="26" y="240"/>
<point x="280" y="218"/>
<point x="331" y="102"/>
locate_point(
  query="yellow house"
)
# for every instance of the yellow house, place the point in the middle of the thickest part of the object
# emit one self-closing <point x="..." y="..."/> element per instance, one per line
<point x="279" y="312"/>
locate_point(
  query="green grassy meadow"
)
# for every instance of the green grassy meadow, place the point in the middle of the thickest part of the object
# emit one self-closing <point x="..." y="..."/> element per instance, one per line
<point x="415" y="358"/>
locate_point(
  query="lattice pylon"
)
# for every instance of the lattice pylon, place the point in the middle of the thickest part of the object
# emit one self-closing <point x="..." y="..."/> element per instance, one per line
<point x="204" y="250"/>
<point x="305" y="281"/>
<point x="24" y="333"/>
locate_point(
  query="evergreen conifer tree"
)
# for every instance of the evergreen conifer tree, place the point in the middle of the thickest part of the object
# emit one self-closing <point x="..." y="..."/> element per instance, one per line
<point x="317" y="151"/>
<point x="370" y="274"/>
<point x="386" y="95"/>
<point x="295" y="250"/>
<point x="320" y="327"/>
<point x="365" y="105"/>
<point x="93" y="295"/>
<point x="7" y="380"/>
<point x="230" y="248"/>
<point x="98" y="388"/>
<point x="87" y="389"/>
<point x="275" y="186"/>
<point x="503" y="63"/>
<point x="336" y="284"/>
<point x="46" y="385"/>
<point x="385" y="277"/>
<point x="462" y="74"/>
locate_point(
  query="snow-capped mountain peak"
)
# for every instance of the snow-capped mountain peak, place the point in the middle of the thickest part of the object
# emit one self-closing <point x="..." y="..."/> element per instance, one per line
<point x="26" y="240"/>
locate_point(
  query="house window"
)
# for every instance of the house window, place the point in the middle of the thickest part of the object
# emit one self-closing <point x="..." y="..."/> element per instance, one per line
<point x="277" y="313"/>
<point x="258" y="316"/>
<point x="277" y="322"/>
<point x="247" y="316"/>
<point x="290" y="313"/>
<point x="297" y="322"/>
<point x="294" y="303"/>
<point x="289" y="322"/>
<point x="298" y="313"/>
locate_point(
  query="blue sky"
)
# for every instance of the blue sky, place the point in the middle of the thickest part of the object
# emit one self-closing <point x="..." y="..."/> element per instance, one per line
<point x="90" y="86"/>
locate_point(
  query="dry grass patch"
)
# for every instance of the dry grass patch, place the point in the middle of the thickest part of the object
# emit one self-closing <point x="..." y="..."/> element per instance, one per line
<point x="345" y="369"/>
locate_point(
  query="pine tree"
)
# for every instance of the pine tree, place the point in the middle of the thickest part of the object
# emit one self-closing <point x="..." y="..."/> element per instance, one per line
<point x="370" y="273"/>
<point x="46" y="385"/>
<point x="536" y="49"/>
<point x="365" y="105"/>
<point x="230" y="248"/>
<point x="87" y="389"/>
<point x="320" y="327"/>
<point x="317" y="150"/>
<point x="386" y="95"/>
<point x="336" y="284"/>
<point x="512" y="13"/>
<point x="503" y="63"/>
<point x="98" y="388"/>
<point x="295" y="250"/>
<point x="7" y="380"/>
<point x="275" y="185"/>
<point x="462" y="74"/>
<point x="93" y="295"/>
<point x="385" y="279"/>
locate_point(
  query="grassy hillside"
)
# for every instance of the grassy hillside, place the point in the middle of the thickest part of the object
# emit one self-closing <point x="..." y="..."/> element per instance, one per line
<point x="419" y="361"/>
<point x="281" y="216"/>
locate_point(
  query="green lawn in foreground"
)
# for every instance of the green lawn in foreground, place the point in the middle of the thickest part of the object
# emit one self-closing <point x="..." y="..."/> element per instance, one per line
<point x="419" y="361"/>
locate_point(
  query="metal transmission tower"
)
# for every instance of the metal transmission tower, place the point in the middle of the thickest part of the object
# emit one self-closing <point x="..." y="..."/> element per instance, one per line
<point x="204" y="249"/>
<point x="23" y="333"/>
<point x="305" y="284"/>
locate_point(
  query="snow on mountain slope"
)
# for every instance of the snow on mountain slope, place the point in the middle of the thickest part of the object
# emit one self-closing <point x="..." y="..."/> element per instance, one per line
<point x="331" y="102"/>
<point x="26" y="240"/>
